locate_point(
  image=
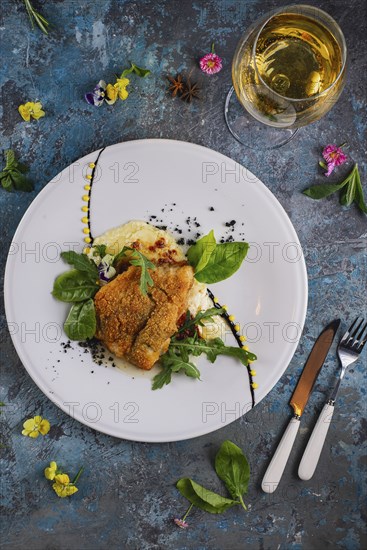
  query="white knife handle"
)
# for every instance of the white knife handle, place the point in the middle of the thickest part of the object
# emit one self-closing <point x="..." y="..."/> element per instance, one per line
<point x="315" y="444"/>
<point x="276" y="467"/>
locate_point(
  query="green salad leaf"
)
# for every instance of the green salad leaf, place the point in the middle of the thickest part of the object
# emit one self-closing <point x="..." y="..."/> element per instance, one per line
<point x="215" y="262"/>
<point x="81" y="262"/>
<point x="74" y="286"/>
<point x="80" y="324"/>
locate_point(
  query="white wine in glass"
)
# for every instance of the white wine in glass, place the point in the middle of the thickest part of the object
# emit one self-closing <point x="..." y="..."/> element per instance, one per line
<point x="288" y="71"/>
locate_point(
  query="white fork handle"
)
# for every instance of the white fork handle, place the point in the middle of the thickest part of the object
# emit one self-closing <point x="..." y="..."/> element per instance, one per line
<point x="315" y="444"/>
<point x="276" y="467"/>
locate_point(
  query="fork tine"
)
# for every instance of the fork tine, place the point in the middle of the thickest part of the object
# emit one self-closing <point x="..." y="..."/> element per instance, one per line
<point x="352" y="334"/>
<point x="362" y="340"/>
<point x="348" y="332"/>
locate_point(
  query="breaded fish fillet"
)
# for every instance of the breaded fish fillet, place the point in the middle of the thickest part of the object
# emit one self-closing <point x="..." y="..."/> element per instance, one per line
<point x="139" y="327"/>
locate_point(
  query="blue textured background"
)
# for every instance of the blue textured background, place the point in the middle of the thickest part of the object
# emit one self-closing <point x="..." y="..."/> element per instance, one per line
<point x="127" y="497"/>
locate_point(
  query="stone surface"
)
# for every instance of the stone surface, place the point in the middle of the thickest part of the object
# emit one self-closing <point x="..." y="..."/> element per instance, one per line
<point x="127" y="496"/>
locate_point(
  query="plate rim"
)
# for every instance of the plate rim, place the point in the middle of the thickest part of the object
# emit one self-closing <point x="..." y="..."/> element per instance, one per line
<point x="199" y="432"/>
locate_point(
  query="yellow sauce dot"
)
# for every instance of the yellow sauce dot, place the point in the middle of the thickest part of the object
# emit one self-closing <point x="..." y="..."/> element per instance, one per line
<point x="86" y="230"/>
<point x="87" y="240"/>
<point x="253" y="372"/>
<point x="254" y="385"/>
<point x="92" y="165"/>
<point x="224" y="307"/>
<point x="245" y="347"/>
<point x="88" y="176"/>
<point x="85" y="219"/>
<point x="243" y="338"/>
<point x="87" y="249"/>
<point x="215" y="300"/>
<point x="237" y="327"/>
<point x="85" y="208"/>
<point x="250" y="361"/>
<point x="87" y="187"/>
<point x="231" y="317"/>
<point x="85" y="198"/>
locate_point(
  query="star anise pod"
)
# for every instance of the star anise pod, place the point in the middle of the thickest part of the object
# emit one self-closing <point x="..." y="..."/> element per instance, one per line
<point x="191" y="90"/>
<point x="177" y="84"/>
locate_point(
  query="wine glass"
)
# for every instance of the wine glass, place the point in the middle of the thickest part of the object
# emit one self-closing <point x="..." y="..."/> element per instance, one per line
<point x="288" y="70"/>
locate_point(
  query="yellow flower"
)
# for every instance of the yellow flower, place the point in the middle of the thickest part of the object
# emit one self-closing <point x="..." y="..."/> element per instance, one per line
<point x="62" y="490"/>
<point x="34" y="426"/>
<point x="120" y="86"/>
<point x="31" y="109"/>
<point x="111" y="94"/>
<point x="63" y="479"/>
<point x="50" y="472"/>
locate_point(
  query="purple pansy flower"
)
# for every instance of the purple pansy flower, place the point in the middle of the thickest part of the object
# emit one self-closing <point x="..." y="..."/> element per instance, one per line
<point x="98" y="96"/>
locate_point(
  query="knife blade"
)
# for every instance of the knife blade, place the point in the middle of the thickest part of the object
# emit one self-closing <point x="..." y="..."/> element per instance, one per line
<point x="298" y="403"/>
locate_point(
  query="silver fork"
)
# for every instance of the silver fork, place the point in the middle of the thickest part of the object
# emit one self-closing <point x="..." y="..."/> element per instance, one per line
<point x="349" y="349"/>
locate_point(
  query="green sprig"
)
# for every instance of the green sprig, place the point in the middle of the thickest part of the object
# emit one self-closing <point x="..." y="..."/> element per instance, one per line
<point x="36" y="18"/>
<point x="13" y="175"/>
<point x="350" y="190"/>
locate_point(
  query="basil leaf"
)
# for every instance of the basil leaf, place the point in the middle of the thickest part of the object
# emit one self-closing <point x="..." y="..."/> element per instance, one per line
<point x="12" y="177"/>
<point x="20" y="181"/>
<point x="223" y="262"/>
<point x="232" y="467"/>
<point x="81" y="262"/>
<point x="199" y="253"/>
<point x="203" y="498"/>
<point x="324" y="190"/>
<point x="74" y="286"/>
<point x="81" y="323"/>
<point x="7" y="182"/>
<point x="10" y="158"/>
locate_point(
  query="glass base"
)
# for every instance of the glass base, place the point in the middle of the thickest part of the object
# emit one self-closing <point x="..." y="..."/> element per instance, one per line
<point x="249" y="131"/>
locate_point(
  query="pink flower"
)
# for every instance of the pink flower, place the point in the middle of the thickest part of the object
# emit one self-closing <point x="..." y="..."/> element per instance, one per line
<point x="334" y="156"/>
<point x="211" y="63"/>
<point x="181" y="523"/>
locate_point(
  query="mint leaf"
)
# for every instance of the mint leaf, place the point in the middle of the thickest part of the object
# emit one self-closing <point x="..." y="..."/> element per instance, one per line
<point x="81" y="262"/>
<point x="203" y="498"/>
<point x="358" y="195"/>
<point x="81" y="322"/>
<point x="232" y="467"/>
<point x="74" y="286"/>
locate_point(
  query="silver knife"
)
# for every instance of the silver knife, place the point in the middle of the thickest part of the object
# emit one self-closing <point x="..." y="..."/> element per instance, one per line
<point x="298" y="403"/>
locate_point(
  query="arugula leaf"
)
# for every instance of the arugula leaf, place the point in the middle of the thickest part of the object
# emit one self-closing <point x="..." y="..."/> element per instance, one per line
<point x="81" y="262"/>
<point x="99" y="250"/>
<point x="203" y="498"/>
<point x="74" y="286"/>
<point x="197" y="320"/>
<point x="135" y="69"/>
<point x="145" y="279"/>
<point x="233" y="468"/>
<point x="12" y="177"/>
<point x="81" y="322"/>
<point x="214" y="262"/>
<point x="350" y="187"/>
<point x="162" y="378"/>
<point x="212" y="348"/>
<point x="199" y="253"/>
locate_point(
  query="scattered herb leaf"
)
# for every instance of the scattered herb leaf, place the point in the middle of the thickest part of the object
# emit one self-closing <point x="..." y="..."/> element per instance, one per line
<point x="135" y="69"/>
<point x="13" y="175"/>
<point x="36" y="17"/>
<point x="350" y="187"/>
<point x="232" y="467"/>
<point x="203" y="498"/>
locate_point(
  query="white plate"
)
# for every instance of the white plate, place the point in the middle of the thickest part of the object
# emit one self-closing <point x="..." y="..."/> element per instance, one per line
<point x="135" y="180"/>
